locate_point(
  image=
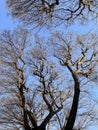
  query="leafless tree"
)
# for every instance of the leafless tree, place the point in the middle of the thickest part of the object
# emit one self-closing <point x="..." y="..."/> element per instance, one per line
<point x="12" y="80"/>
<point x="35" y="90"/>
<point x="45" y="12"/>
<point x="79" y="56"/>
<point x="23" y="107"/>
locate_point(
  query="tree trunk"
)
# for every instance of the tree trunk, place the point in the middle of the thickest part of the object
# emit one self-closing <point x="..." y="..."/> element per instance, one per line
<point x="73" y="112"/>
<point x="72" y="115"/>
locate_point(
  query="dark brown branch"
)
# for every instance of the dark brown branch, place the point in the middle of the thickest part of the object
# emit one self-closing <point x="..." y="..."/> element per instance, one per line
<point x="57" y="2"/>
<point x="32" y="119"/>
<point x="49" y="116"/>
<point x="26" y="124"/>
<point x="47" y="103"/>
<point x="72" y="115"/>
<point x="22" y="98"/>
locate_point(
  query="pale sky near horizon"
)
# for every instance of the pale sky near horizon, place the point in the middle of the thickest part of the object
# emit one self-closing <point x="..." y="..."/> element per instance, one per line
<point x="7" y="22"/>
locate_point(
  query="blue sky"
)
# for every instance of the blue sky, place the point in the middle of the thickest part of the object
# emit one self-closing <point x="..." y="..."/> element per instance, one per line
<point x="7" y="22"/>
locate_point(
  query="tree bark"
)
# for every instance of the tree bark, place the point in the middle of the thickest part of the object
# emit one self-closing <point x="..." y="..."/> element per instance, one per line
<point x="72" y="116"/>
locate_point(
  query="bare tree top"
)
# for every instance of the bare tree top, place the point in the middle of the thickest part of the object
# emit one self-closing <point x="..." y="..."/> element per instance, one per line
<point x="52" y="12"/>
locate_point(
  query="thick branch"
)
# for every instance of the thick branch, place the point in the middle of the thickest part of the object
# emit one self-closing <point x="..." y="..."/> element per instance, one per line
<point x="47" y="103"/>
<point x="49" y="116"/>
<point x="32" y="119"/>
<point x="74" y="108"/>
<point x="22" y="98"/>
<point x="26" y="124"/>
